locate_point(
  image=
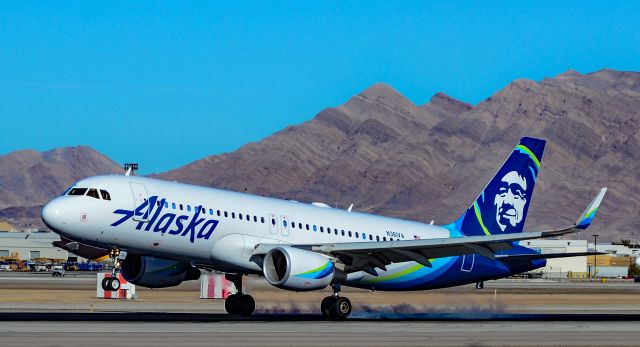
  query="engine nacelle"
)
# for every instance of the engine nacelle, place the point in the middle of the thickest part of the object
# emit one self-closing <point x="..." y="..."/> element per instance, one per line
<point x="153" y="272"/>
<point x="297" y="269"/>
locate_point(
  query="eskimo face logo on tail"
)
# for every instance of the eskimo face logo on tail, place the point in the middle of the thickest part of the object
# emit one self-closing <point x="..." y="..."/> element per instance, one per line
<point x="193" y="226"/>
<point x="510" y="200"/>
<point x="505" y="201"/>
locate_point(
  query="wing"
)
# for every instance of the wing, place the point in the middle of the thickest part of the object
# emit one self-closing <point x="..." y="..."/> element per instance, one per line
<point x="366" y="256"/>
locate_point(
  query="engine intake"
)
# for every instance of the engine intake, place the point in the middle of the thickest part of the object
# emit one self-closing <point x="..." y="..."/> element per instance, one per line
<point x="299" y="270"/>
<point x="154" y="272"/>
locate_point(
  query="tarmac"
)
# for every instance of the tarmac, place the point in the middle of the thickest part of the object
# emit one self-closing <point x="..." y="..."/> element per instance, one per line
<point x="36" y="309"/>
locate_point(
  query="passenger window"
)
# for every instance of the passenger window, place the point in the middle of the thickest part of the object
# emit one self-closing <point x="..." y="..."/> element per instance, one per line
<point x="248" y="218"/>
<point x="377" y="238"/>
<point x="300" y="226"/>
<point x="284" y="223"/>
<point x="321" y="229"/>
<point x="255" y="219"/>
<point x="202" y="210"/>
<point x="273" y="221"/>
<point x="77" y="191"/>
<point x="293" y="225"/>
<point x="211" y="212"/>
<point x="370" y="237"/>
<point x="226" y="214"/>
<point x="315" y="228"/>
<point x="105" y="195"/>
<point x="384" y="238"/>
<point x="93" y="193"/>
<point x="233" y="215"/>
<point x="335" y="231"/>
<point x="357" y="235"/>
<point x="180" y="207"/>
<point x="262" y="220"/>
<point x="166" y="204"/>
<point x="307" y="226"/>
<point x="188" y="208"/>
<point x="350" y="233"/>
<point x="218" y="213"/>
<point x="173" y="205"/>
<point x="240" y="216"/>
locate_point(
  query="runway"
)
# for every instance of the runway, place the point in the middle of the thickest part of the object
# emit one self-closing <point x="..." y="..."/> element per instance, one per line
<point x="133" y="329"/>
<point x="36" y="309"/>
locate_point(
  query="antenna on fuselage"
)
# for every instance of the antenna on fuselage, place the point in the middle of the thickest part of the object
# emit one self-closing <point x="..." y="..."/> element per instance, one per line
<point x="350" y="207"/>
<point x="130" y="168"/>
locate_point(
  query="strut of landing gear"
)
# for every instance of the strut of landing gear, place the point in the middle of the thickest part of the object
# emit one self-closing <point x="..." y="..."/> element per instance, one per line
<point x="113" y="283"/>
<point x="335" y="306"/>
<point x="239" y="303"/>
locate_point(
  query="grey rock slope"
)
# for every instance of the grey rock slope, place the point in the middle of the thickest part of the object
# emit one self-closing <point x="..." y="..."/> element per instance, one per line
<point x="30" y="178"/>
<point x="387" y="155"/>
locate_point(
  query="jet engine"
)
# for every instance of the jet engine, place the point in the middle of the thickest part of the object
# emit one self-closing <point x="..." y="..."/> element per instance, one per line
<point x="153" y="272"/>
<point x="300" y="270"/>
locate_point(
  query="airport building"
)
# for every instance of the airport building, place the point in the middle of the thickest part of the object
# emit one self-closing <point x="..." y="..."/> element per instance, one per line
<point x="561" y="267"/>
<point x="30" y="245"/>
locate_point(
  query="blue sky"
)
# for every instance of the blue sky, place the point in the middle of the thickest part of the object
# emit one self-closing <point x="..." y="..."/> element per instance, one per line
<point x="166" y="83"/>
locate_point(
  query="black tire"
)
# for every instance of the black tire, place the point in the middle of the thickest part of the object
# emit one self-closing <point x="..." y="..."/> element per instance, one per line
<point x="105" y="284"/>
<point x="342" y="308"/>
<point x="232" y="304"/>
<point x="114" y="283"/>
<point x="326" y="306"/>
<point x="247" y="305"/>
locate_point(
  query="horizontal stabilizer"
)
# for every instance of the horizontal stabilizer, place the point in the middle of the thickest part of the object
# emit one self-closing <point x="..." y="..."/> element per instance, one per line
<point x="545" y="255"/>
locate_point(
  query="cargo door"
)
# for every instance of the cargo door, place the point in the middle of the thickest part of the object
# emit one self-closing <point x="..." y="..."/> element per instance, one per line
<point x="467" y="262"/>
<point x="140" y="202"/>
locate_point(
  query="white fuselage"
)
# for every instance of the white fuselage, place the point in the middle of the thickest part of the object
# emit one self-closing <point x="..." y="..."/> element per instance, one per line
<point x="242" y="221"/>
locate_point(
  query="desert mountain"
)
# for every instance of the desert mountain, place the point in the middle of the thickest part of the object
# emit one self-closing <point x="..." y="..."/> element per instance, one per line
<point x="387" y="155"/>
<point x="31" y="178"/>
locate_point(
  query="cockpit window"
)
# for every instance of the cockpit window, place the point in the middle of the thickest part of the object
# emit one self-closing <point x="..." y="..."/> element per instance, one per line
<point x="105" y="194"/>
<point x="66" y="191"/>
<point x="77" y="191"/>
<point x="93" y="193"/>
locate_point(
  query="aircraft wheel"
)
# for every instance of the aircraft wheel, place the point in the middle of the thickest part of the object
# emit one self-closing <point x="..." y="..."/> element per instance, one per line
<point x="247" y="305"/>
<point x="326" y="307"/>
<point x="232" y="304"/>
<point x="105" y="284"/>
<point x="342" y="308"/>
<point x="113" y="283"/>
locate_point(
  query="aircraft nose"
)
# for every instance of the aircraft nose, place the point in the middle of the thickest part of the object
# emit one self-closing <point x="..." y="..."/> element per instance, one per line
<point x="53" y="214"/>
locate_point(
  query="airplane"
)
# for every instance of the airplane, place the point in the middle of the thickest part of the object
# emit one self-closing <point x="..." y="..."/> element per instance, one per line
<point x="161" y="233"/>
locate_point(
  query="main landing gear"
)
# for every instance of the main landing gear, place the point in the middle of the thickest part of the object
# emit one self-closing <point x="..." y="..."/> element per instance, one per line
<point x="113" y="283"/>
<point x="335" y="306"/>
<point x="239" y="303"/>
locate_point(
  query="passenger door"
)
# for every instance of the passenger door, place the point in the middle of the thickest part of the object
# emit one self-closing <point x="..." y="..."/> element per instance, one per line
<point x="284" y="226"/>
<point x="140" y="197"/>
<point x="273" y="223"/>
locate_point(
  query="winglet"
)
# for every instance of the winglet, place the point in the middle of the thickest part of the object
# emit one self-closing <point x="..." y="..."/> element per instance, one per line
<point x="587" y="216"/>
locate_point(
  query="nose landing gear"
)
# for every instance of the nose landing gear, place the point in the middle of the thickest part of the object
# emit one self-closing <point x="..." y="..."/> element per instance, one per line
<point x="239" y="303"/>
<point x="113" y="283"/>
<point x="335" y="306"/>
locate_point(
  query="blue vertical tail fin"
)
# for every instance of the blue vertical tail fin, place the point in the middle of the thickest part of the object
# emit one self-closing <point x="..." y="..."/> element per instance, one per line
<point x="502" y="206"/>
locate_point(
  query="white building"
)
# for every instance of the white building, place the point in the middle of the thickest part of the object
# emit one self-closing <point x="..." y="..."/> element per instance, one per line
<point x="31" y="245"/>
<point x="561" y="267"/>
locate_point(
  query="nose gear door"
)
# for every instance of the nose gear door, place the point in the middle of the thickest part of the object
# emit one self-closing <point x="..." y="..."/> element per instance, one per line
<point x="140" y="202"/>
